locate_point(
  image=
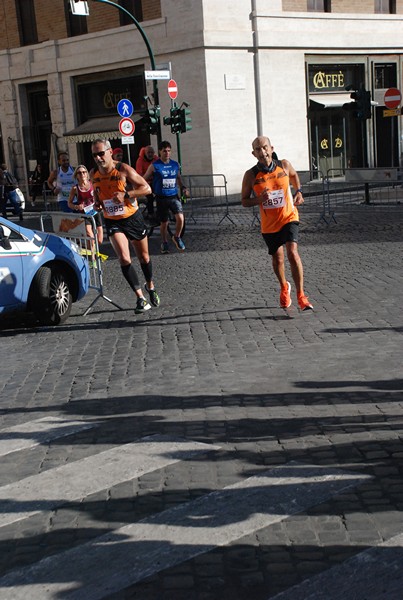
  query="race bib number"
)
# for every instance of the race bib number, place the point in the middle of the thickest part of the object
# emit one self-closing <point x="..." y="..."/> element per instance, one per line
<point x="169" y="184"/>
<point x="114" y="209"/>
<point x="89" y="210"/>
<point x="275" y="199"/>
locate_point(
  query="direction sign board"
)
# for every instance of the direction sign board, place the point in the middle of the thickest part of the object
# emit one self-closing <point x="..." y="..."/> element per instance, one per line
<point x="125" y="108"/>
<point x="391" y="112"/>
<point x="157" y="74"/>
<point x="126" y="126"/>
<point x="172" y="89"/>
<point x="392" y="98"/>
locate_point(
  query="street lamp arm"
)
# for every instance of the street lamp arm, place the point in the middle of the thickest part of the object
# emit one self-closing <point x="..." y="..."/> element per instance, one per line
<point x="137" y="24"/>
<point x="150" y="54"/>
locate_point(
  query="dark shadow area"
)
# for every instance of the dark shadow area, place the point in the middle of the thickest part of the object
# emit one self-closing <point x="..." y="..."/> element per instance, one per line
<point x="21" y="324"/>
<point x="369" y="444"/>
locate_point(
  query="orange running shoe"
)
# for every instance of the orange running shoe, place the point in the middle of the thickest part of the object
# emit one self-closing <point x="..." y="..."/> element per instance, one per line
<point x="304" y="303"/>
<point x="285" y="298"/>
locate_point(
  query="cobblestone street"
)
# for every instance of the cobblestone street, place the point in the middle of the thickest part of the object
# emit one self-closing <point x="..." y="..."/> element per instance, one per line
<point x="217" y="447"/>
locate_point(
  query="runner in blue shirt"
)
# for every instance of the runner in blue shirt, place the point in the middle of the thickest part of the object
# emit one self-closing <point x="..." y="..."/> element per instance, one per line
<point x="165" y="178"/>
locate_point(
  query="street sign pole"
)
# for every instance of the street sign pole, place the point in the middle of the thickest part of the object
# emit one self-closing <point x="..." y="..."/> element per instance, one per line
<point x="173" y="93"/>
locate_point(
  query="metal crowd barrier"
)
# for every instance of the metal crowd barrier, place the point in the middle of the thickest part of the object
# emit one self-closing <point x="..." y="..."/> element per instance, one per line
<point x="354" y="190"/>
<point x="72" y="226"/>
<point x="208" y="198"/>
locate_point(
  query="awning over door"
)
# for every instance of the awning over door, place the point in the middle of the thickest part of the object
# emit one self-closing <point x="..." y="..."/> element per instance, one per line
<point x="99" y="127"/>
<point x="329" y="100"/>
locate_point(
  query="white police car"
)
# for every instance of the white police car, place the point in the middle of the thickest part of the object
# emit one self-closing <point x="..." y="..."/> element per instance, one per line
<point x="40" y="273"/>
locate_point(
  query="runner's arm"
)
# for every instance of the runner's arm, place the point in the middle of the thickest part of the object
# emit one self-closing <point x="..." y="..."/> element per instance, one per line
<point x="182" y="185"/>
<point x="72" y="195"/>
<point x="295" y="182"/>
<point x="140" y="185"/>
<point x="247" y="188"/>
<point x="148" y="175"/>
<point x="97" y="202"/>
<point x="51" y="181"/>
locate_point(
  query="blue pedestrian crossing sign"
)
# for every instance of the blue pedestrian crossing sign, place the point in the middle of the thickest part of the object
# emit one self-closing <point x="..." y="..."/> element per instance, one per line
<point x="125" y="108"/>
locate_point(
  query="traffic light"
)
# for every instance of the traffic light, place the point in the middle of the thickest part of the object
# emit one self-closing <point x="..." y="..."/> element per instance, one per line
<point x="171" y="120"/>
<point x="152" y="118"/>
<point x="185" y="120"/>
<point x="179" y="120"/>
<point x="174" y="120"/>
<point x="361" y="105"/>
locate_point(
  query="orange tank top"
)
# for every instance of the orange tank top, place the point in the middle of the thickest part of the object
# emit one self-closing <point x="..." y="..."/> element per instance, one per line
<point x="279" y="208"/>
<point x="105" y="185"/>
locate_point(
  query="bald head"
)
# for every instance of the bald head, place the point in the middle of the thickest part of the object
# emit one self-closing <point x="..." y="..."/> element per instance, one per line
<point x="261" y="140"/>
<point x="262" y="150"/>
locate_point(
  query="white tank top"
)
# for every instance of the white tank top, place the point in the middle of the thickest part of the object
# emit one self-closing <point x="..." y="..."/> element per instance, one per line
<point x="65" y="182"/>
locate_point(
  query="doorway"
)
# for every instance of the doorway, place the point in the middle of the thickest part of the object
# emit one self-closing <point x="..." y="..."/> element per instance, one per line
<point x="386" y="138"/>
<point x="37" y="134"/>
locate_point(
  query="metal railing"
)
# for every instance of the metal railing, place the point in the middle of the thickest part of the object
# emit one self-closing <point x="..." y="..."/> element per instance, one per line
<point x="208" y="198"/>
<point x="74" y="227"/>
<point x="361" y="189"/>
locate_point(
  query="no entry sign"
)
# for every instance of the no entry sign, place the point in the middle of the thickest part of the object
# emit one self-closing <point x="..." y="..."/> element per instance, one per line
<point x="172" y="89"/>
<point x="392" y="98"/>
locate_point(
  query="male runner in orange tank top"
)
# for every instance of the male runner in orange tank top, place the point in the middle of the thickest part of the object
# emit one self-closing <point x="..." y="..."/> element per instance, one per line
<point x="267" y="185"/>
<point x="123" y="221"/>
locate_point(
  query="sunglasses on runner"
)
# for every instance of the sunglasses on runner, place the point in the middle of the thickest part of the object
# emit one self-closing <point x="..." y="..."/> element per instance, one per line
<point x="81" y="172"/>
<point x="100" y="154"/>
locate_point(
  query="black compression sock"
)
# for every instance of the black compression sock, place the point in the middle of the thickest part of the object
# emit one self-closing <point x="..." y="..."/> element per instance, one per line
<point x="147" y="269"/>
<point x="131" y="277"/>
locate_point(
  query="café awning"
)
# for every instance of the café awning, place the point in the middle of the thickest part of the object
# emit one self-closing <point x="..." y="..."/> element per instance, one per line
<point x="98" y="127"/>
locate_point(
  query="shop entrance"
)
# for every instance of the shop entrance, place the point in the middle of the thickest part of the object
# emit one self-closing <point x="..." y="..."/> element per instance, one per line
<point x="328" y="141"/>
<point x="338" y="141"/>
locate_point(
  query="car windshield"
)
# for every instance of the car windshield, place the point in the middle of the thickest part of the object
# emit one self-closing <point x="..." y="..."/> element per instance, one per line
<point x="11" y="233"/>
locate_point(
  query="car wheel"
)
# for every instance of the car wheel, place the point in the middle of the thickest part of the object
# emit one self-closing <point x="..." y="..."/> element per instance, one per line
<point x="51" y="295"/>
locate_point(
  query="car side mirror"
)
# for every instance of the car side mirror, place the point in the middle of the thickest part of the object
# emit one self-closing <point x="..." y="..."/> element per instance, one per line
<point x="4" y="241"/>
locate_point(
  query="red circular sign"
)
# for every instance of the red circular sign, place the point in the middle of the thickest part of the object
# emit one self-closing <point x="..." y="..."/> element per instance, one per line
<point x="172" y="89"/>
<point x="126" y="126"/>
<point x="392" y="98"/>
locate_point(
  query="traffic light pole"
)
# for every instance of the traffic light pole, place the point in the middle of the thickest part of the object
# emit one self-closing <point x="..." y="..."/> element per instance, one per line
<point x="365" y="158"/>
<point x="362" y="111"/>
<point x="150" y="54"/>
<point x="178" y="145"/>
<point x="178" y="139"/>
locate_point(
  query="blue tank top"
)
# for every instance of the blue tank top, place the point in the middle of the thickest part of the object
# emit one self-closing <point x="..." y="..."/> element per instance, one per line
<point x="165" y="178"/>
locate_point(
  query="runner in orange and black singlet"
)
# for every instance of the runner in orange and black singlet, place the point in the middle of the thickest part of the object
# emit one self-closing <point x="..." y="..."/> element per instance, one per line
<point x="267" y="185"/>
<point x="278" y="209"/>
<point x="123" y="221"/>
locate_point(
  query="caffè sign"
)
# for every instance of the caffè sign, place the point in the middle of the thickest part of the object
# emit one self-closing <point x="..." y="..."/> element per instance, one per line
<point x="333" y="78"/>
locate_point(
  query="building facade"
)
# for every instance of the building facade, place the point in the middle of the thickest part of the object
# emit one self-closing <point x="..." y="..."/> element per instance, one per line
<point x="246" y="67"/>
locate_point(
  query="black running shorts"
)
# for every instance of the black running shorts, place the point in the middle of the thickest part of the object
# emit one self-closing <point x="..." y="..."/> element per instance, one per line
<point x="289" y="233"/>
<point x="166" y="204"/>
<point x="133" y="227"/>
